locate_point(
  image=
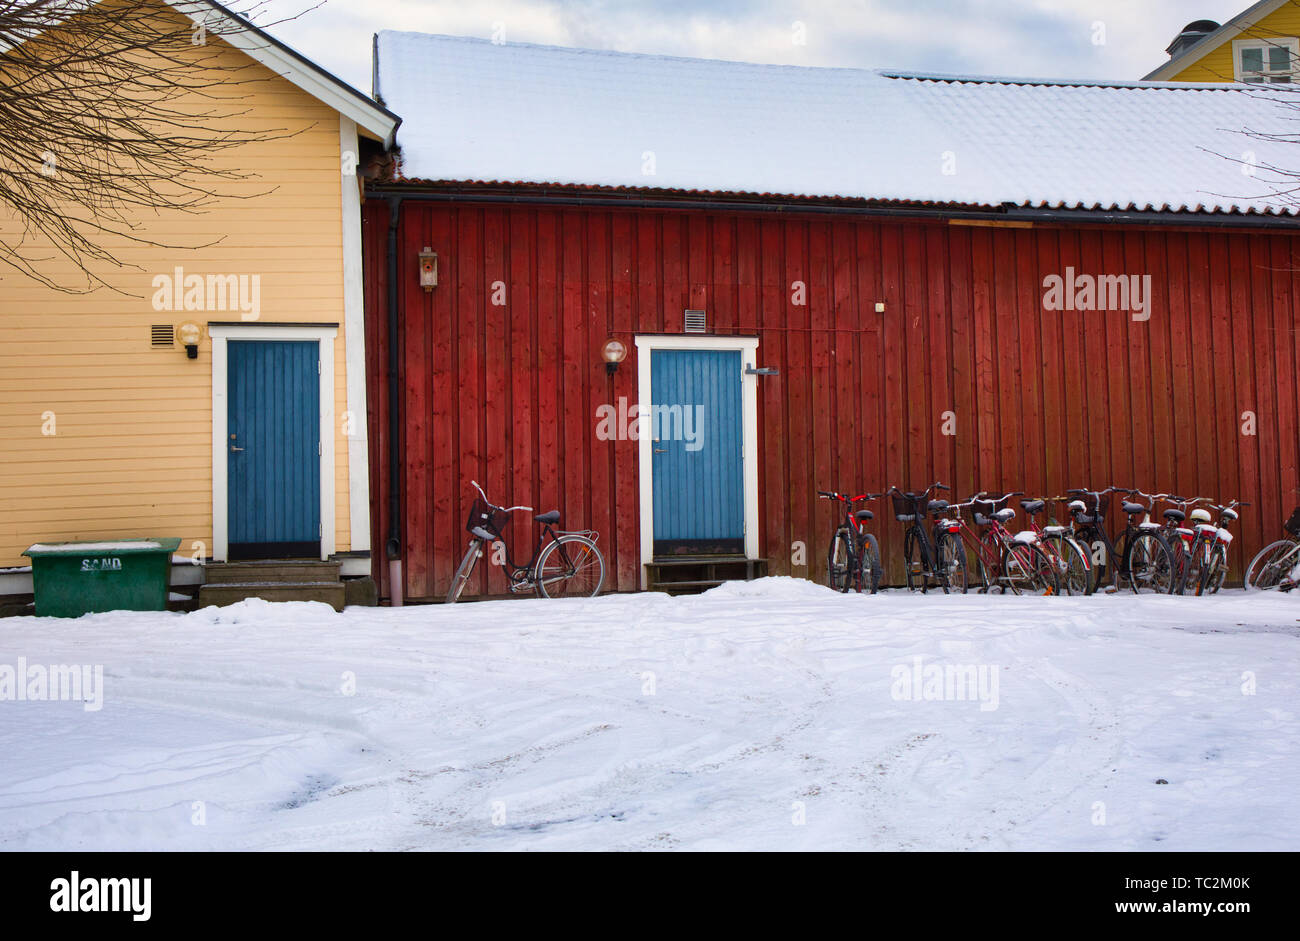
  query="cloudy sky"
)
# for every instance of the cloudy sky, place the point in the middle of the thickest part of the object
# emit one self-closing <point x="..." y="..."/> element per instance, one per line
<point x="1116" y="39"/>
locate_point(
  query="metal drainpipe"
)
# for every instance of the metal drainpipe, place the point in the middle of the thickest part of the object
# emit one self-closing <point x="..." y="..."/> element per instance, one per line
<point x="396" y="586"/>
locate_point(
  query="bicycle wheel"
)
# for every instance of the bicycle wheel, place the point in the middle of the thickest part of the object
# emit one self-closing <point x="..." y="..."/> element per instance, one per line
<point x="977" y="575"/>
<point x="992" y="565"/>
<point x="1196" y="571"/>
<point x="1217" y="573"/>
<point x="951" y="562"/>
<point x="1017" y="570"/>
<point x="1047" y="577"/>
<point x="912" y="560"/>
<point x="869" y="553"/>
<point x="1073" y="569"/>
<point x="570" y="567"/>
<point x="1150" y="566"/>
<point x="1182" y="559"/>
<point x="1272" y="567"/>
<point x="839" y="561"/>
<point x="464" y="571"/>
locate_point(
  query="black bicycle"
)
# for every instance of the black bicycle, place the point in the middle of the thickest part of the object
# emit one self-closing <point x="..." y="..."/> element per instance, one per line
<point x="1140" y="557"/>
<point x="563" y="565"/>
<point x="920" y="555"/>
<point x="853" y="560"/>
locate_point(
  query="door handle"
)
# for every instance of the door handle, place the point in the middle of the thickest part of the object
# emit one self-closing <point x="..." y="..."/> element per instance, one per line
<point x="233" y="448"/>
<point x="661" y="450"/>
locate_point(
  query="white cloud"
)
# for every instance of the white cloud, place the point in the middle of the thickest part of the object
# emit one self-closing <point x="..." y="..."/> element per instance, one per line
<point x="994" y="37"/>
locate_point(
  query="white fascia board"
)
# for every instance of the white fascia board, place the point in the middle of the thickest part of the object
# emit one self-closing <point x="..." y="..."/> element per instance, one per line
<point x="315" y="82"/>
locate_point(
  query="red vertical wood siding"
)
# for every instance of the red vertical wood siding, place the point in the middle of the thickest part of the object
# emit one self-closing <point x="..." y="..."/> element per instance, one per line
<point x="501" y="374"/>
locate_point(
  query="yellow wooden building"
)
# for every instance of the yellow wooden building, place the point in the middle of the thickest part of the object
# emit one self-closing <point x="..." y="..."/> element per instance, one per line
<point x="1260" y="45"/>
<point x="252" y="444"/>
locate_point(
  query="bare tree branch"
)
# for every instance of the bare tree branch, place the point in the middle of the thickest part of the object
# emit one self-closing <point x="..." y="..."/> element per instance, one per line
<point x="112" y="113"/>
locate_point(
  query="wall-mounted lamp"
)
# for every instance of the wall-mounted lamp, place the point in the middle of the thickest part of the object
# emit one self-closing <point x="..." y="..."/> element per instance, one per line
<point x="189" y="334"/>
<point x="751" y="370"/>
<point x="428" y="269"/>
<point x="614" y="352"/>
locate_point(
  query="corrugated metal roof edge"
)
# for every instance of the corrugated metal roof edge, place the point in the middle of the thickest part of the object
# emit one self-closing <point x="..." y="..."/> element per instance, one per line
<point x="797" y="198"/>
<point x="961" y="79"/>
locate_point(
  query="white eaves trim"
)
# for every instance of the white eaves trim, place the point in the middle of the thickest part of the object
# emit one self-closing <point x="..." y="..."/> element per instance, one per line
<point x="259" y="46"/>
<point x="1243" y="21"/>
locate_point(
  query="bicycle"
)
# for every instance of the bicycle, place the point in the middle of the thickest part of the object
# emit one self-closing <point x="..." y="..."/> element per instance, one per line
<point x="1276" y="567"/>
<point x="853" y="560"/>
<point x="1208" y="561"/>
<point x="1073" y="567"/>
<point x="985" y="559"/>
<point x="918" y="552"/>
<point x="563" y="564"/>
<point x="1015" y="562"/>
<point x="949" y="552"/>
<point x="1140" y="557"/>
<point x="1180" y="537"/>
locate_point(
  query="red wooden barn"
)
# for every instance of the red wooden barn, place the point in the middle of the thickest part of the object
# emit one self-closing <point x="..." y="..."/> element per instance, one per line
<point x="843" y="279"/>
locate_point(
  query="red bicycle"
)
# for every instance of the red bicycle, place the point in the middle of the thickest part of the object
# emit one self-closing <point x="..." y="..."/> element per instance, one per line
<point x="1014" y="562"/>
<point x="853" y="560"/>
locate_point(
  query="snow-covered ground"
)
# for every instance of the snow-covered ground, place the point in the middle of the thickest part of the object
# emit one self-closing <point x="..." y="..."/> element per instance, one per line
<point x="767" y="715"/>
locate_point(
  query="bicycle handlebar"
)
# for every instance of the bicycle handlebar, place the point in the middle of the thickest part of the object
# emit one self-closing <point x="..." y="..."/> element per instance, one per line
<point x="835" y="495"/>
<point x="983" y="495"/>
<point x="507" y="509"/>
<point x="934" y="486"/>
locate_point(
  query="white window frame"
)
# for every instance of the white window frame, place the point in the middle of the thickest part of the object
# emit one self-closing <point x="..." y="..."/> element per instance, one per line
<point x="646" y="345"/>
<point x="1292" y="43"/>
<point x="221" y="334"/>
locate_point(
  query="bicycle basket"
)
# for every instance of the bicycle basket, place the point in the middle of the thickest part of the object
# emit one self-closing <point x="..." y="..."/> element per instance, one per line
<point x="484" y="514"/>
<point x="983" y="511"/>
<point x="1096" y="506"/>
<point x="1292" y="525"/>
<point x="906" y="508"/>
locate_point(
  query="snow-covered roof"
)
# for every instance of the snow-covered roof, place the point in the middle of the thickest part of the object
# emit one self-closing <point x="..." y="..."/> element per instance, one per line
<point x="514" y="113"/>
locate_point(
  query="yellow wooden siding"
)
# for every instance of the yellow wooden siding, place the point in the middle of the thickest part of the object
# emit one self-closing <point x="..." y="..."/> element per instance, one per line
<point x="132" y="452"/>
<point x="1217" y="65"/>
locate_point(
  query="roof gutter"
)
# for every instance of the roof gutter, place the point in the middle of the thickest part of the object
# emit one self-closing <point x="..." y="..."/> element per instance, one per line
<point x="1004" y="214"/>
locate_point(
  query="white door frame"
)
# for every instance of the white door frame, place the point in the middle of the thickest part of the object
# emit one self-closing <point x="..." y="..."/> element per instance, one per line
<point x="748" y="349"/>
<point x="220" y="334"/>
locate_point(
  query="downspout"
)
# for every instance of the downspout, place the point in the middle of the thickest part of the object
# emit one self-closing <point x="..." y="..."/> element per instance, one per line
<point x="393" y="548"/>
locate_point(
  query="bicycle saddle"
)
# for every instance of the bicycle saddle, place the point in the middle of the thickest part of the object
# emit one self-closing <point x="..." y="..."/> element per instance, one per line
<point x="1133" y="509"/>
<point x="938" y="506"/>
<point x="1172" y="514"/>
<point x="551" y="517"/>
<point x="864" y="515"/>
<point x="1032" y="506"/>
<point x="1004" y="514"/>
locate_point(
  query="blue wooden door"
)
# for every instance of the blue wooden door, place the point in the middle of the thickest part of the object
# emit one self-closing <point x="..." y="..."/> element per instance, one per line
<point x="696" y="430"/>
<point x="273" y="449"/>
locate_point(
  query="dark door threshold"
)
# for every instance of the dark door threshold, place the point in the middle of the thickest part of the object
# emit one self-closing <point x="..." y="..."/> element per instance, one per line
<point x="246" y="551"/>
<point x="700" y="548"/>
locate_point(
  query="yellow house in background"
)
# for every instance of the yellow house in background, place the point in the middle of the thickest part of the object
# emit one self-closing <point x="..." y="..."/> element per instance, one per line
<point x="246" y="437"/>
<point x="1258" y="45"/>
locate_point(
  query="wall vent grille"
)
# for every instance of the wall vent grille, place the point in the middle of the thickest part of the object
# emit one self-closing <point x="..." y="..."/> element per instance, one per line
<point x="160" y="334"/>
<point x="696" y="322"/>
